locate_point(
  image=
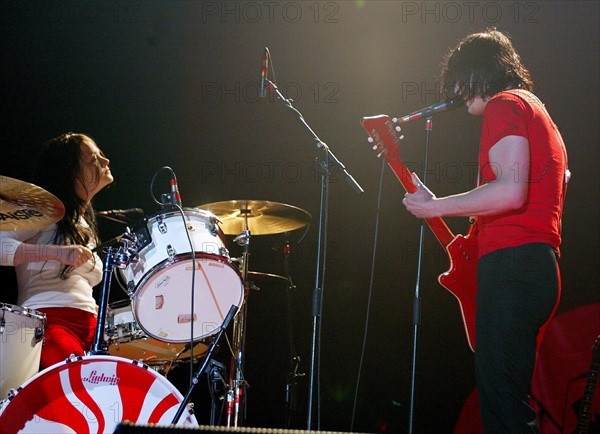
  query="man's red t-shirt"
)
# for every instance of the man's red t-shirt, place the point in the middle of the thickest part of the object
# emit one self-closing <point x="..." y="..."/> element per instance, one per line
<point x="520" y="113"/>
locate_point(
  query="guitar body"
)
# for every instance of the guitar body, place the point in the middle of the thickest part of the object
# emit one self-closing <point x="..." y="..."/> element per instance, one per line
<point x="461" y="278"/>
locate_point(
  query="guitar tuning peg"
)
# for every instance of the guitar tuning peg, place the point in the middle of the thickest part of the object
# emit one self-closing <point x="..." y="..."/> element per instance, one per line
<point x="370" y="139"/>
<point x="374" y="147"/>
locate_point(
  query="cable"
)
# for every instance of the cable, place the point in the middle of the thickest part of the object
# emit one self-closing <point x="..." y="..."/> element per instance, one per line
<point x="373" y="261"/>
<point x="193" y="259"/>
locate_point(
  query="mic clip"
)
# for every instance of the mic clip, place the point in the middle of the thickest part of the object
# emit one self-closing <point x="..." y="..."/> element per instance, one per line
<point x="168" y="200"/>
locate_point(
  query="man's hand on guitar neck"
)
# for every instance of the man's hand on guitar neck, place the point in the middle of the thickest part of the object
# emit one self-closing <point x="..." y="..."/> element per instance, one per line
<point x="420" y="203"/>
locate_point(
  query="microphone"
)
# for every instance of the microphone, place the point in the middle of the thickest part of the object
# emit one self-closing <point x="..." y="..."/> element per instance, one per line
<point x="264" y="71"/>
<point x="122" y="215"/>
<point x="175" y="196"/>
<point x="449" y="104"/>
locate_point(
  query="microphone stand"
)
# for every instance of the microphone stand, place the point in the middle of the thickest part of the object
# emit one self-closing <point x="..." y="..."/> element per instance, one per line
<point x="324" y="166"/>
<point x="417" y="300"/>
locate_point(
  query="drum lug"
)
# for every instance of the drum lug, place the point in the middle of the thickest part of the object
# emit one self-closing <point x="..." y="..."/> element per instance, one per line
<point x="13" y="392"/>
<point x="39" y="334"/>
<point x="162" y="226"/>
<point x="130" y="288"/>
<point x="73" y="358"/>
<point x="224" y="252"/>
<point x="213" y="228"/>
<point x="171" y="253"/>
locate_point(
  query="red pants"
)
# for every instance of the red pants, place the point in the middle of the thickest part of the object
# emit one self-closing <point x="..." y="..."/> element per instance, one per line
<point x="68" y="331"/>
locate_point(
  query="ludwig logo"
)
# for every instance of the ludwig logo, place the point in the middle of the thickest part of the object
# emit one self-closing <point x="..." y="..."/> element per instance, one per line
<point x="94" y="378"/>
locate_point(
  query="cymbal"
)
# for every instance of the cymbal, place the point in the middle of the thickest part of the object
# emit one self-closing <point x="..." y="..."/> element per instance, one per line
<point x="260" y="277"/>
<point x="26" y="206"/>
<point x="261" y="217"/>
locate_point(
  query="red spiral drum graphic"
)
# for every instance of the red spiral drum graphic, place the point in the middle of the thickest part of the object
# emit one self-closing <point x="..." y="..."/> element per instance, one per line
<point x="92" y="394"/>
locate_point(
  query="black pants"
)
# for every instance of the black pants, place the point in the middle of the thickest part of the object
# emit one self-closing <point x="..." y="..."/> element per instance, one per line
<point x="517" y="289"/>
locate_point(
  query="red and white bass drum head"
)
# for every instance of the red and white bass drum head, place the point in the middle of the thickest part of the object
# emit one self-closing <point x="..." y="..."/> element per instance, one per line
<point x="92" y="394"/>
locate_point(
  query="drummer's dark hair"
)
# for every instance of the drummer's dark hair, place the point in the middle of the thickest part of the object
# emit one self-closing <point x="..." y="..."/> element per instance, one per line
<point x="57" y="169"/>
<point x="483" y="64"/>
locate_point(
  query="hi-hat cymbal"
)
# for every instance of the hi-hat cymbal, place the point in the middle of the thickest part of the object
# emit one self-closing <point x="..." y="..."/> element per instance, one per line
<point x="260" y="217"/>
<point x="26" y="206"/>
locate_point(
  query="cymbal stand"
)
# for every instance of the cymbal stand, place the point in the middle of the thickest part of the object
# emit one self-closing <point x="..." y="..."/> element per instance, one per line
<point x="237" y="383"/>
<point x="291" y="385"/>
<point x="119" y="258"/>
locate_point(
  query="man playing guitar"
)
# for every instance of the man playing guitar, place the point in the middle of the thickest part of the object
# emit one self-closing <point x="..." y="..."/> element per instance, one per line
<point x="518" y="204"/>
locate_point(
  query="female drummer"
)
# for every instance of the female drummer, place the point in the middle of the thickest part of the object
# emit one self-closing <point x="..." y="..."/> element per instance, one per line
<point x="56" y="269"/>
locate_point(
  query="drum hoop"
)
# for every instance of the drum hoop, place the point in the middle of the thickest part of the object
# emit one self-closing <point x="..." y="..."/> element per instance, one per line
<point x="186" y="211"/>
<point x="159" y="267"/>
<point x="151" y="220"/>
<point x="23" y="311"/>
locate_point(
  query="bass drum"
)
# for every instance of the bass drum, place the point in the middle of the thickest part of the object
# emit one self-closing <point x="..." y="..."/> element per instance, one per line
<point x="21" y="336"/>
<point x="92" y="394"/>
<point x="159" y="282"/>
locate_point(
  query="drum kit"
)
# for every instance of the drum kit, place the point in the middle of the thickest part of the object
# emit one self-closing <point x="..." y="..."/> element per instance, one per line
<point x="182" y="287"/>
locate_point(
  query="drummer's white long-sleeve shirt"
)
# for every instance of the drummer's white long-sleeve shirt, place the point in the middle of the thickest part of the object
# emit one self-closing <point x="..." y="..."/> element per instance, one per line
<point x="39" y="283"/>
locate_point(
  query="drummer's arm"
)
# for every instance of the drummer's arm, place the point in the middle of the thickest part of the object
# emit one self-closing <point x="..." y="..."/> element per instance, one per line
<point x="15" y="252"/>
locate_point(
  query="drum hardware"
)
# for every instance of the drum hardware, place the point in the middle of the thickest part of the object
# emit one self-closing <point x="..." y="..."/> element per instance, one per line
<point x="237" y="384"/>
<point x="211" y="349"/>
<point x="242" y="218"/>
<point x="217" y="383"/>
<point x="25" y="206"/>
<point x="119" y="258"/>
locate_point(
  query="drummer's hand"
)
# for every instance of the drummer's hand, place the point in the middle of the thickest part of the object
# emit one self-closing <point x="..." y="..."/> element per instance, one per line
<point x="75" y="256"/>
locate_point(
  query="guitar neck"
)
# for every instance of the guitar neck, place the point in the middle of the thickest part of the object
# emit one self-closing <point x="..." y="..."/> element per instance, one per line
<point x="437" y="225"/>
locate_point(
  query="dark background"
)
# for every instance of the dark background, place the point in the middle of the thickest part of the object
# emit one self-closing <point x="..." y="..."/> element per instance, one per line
<point x="176" y="83"/>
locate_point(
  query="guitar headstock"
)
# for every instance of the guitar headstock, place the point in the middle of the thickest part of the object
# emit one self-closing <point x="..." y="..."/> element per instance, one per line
<point x="384" y="134"/>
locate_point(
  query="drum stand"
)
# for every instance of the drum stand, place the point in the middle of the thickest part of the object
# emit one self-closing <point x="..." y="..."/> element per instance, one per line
<point x="120" y="259"/>
<point x="237" y="383"/>
<point x="205" y="364"/>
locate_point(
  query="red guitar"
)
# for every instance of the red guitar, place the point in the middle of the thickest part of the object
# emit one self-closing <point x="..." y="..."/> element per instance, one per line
<point x="461" y="277"/>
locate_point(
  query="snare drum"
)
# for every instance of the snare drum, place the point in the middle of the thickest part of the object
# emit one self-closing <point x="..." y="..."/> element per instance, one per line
<point x="160" y="281"/>
<point x="126" y="339"/>
<point x="92" y="394"/>
<point x="21" y="335"/>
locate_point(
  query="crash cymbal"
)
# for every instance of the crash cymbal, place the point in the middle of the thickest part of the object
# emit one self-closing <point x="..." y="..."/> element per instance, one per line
<point x="26" y="206"/>
<point x="261" y="217"/>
